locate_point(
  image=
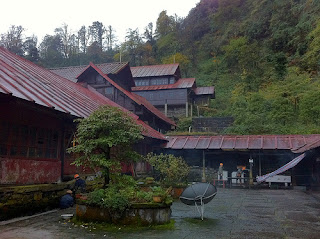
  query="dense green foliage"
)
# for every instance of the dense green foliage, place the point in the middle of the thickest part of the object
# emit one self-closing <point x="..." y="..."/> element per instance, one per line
<point x="122" y="192"/>
<point x="118" y="196"/>
<point x="262" y="56"/>
<point x="172" y="169"/>
<point x="105" y="138"/>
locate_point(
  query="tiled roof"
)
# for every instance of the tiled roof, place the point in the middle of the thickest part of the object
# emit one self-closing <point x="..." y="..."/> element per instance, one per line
<point x="72" y="72"/>
<point x="308" y="146"/>
<point x="154" y="70"/>
<point x="242" y="142"/>
<point x="23" y="79"/>
<point x="138" y="99"/>
<point x="180" y="84"/>
<point x="209" y="90"/>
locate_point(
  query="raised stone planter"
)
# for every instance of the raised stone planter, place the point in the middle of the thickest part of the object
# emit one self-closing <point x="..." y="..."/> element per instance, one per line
<point x="138" y="214"/>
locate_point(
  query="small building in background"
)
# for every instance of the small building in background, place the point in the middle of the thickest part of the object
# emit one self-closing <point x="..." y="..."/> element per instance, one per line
<point x="267" y="153"/>
<point x="163" y="87"/>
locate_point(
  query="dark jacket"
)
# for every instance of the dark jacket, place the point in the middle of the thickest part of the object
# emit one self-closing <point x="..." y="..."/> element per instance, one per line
<point x="66" y="201"/>
<point x="80" y="185"/>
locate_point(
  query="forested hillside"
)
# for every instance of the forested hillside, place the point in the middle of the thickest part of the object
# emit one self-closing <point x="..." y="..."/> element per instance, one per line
<point x="262" y="56"/>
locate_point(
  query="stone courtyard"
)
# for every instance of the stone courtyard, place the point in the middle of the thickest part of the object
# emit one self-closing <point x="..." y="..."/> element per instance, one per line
<point x="233" y="213"/>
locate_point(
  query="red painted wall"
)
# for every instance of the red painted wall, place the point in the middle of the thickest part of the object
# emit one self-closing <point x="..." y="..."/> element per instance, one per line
<point x="27" y="171"/>
<point x="70" y="169"/>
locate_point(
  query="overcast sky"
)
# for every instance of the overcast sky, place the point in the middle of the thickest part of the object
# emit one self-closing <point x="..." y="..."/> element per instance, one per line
<point x="41" y="17"/>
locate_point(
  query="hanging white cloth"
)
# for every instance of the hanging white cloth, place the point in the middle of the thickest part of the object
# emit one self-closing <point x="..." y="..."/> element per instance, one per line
<point x="285" y="167"/>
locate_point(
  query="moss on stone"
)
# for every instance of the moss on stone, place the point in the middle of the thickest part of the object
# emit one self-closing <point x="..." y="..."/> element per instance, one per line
<point x="108" y="227"/>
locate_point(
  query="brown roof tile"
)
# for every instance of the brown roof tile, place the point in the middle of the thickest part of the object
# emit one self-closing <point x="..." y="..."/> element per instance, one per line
<point x="182" y="83"/>
<point x="295" y="143"/>
<point x="72" y="72"/>
<point x="154" y="70"/>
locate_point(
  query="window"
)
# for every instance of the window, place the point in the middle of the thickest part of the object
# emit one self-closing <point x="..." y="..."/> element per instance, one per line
<point x="108" y="90"/>
<point x="153" y="82"/>
<point x="163" y="82"/>
<point x="144" y="82"/>
<point x="99" y="79"/>
<point x="4" y="129"/>
<point x="28" y="142"/>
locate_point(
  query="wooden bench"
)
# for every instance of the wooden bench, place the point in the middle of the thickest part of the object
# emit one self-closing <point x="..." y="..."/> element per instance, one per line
<point x="279" y="179"/>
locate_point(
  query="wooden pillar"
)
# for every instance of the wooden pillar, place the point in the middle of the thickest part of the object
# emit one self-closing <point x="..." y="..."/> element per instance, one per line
<point x="187" y="106"/>
<point x="166" y="109"/>
<point x="191" y="110"/>
<point x="203" y="167"/>
<point x="62" y="150"/>
<point x="250" y="172"/>
<point x="259" y="163"/>
<point x="293" y="174"/>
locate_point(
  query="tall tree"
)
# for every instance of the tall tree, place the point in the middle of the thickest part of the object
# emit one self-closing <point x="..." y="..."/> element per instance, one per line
<point x="110" y="37"/>
<point x="97" y="31"/>
<point x="84" y="37"/>
<point x="132" y="47"/>
<point x="13" y="40"/>
<point x="30" y="48"/>
<point x="51" y="51"/>
<point x="68" y="40"/>
<point x="164" y="25"/>
<point x="149" y="33"/>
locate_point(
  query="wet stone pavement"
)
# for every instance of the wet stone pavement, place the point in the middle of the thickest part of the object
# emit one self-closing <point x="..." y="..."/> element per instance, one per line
<point x="233" y="213"/>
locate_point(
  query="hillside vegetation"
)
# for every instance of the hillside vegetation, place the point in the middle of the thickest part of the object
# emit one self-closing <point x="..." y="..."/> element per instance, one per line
<point x="263" y="58"/>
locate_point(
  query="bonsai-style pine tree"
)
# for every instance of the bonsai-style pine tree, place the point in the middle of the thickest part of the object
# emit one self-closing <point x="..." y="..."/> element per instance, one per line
<point x="105" y="139"/>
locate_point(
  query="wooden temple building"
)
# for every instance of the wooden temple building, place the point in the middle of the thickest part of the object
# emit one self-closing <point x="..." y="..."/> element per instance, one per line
<point x="114" y="81"/>
<point x="38" y="108"/>
<point x="163" y="86"/>
<point x="142" y="89"/>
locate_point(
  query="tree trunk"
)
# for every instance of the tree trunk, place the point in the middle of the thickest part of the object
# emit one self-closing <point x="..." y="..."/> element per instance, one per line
<point x="106" y="174"/>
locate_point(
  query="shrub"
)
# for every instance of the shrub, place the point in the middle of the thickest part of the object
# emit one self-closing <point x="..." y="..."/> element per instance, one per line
<point x="121" y="193"/>
<point x="172" y="169"/>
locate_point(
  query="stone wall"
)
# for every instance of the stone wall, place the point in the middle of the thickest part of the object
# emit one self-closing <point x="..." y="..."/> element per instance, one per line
<point x="29" y="199"/>
<point x="211" y="124"/>
<point x="26" y="200"/>
<point x="138" y="214"/>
